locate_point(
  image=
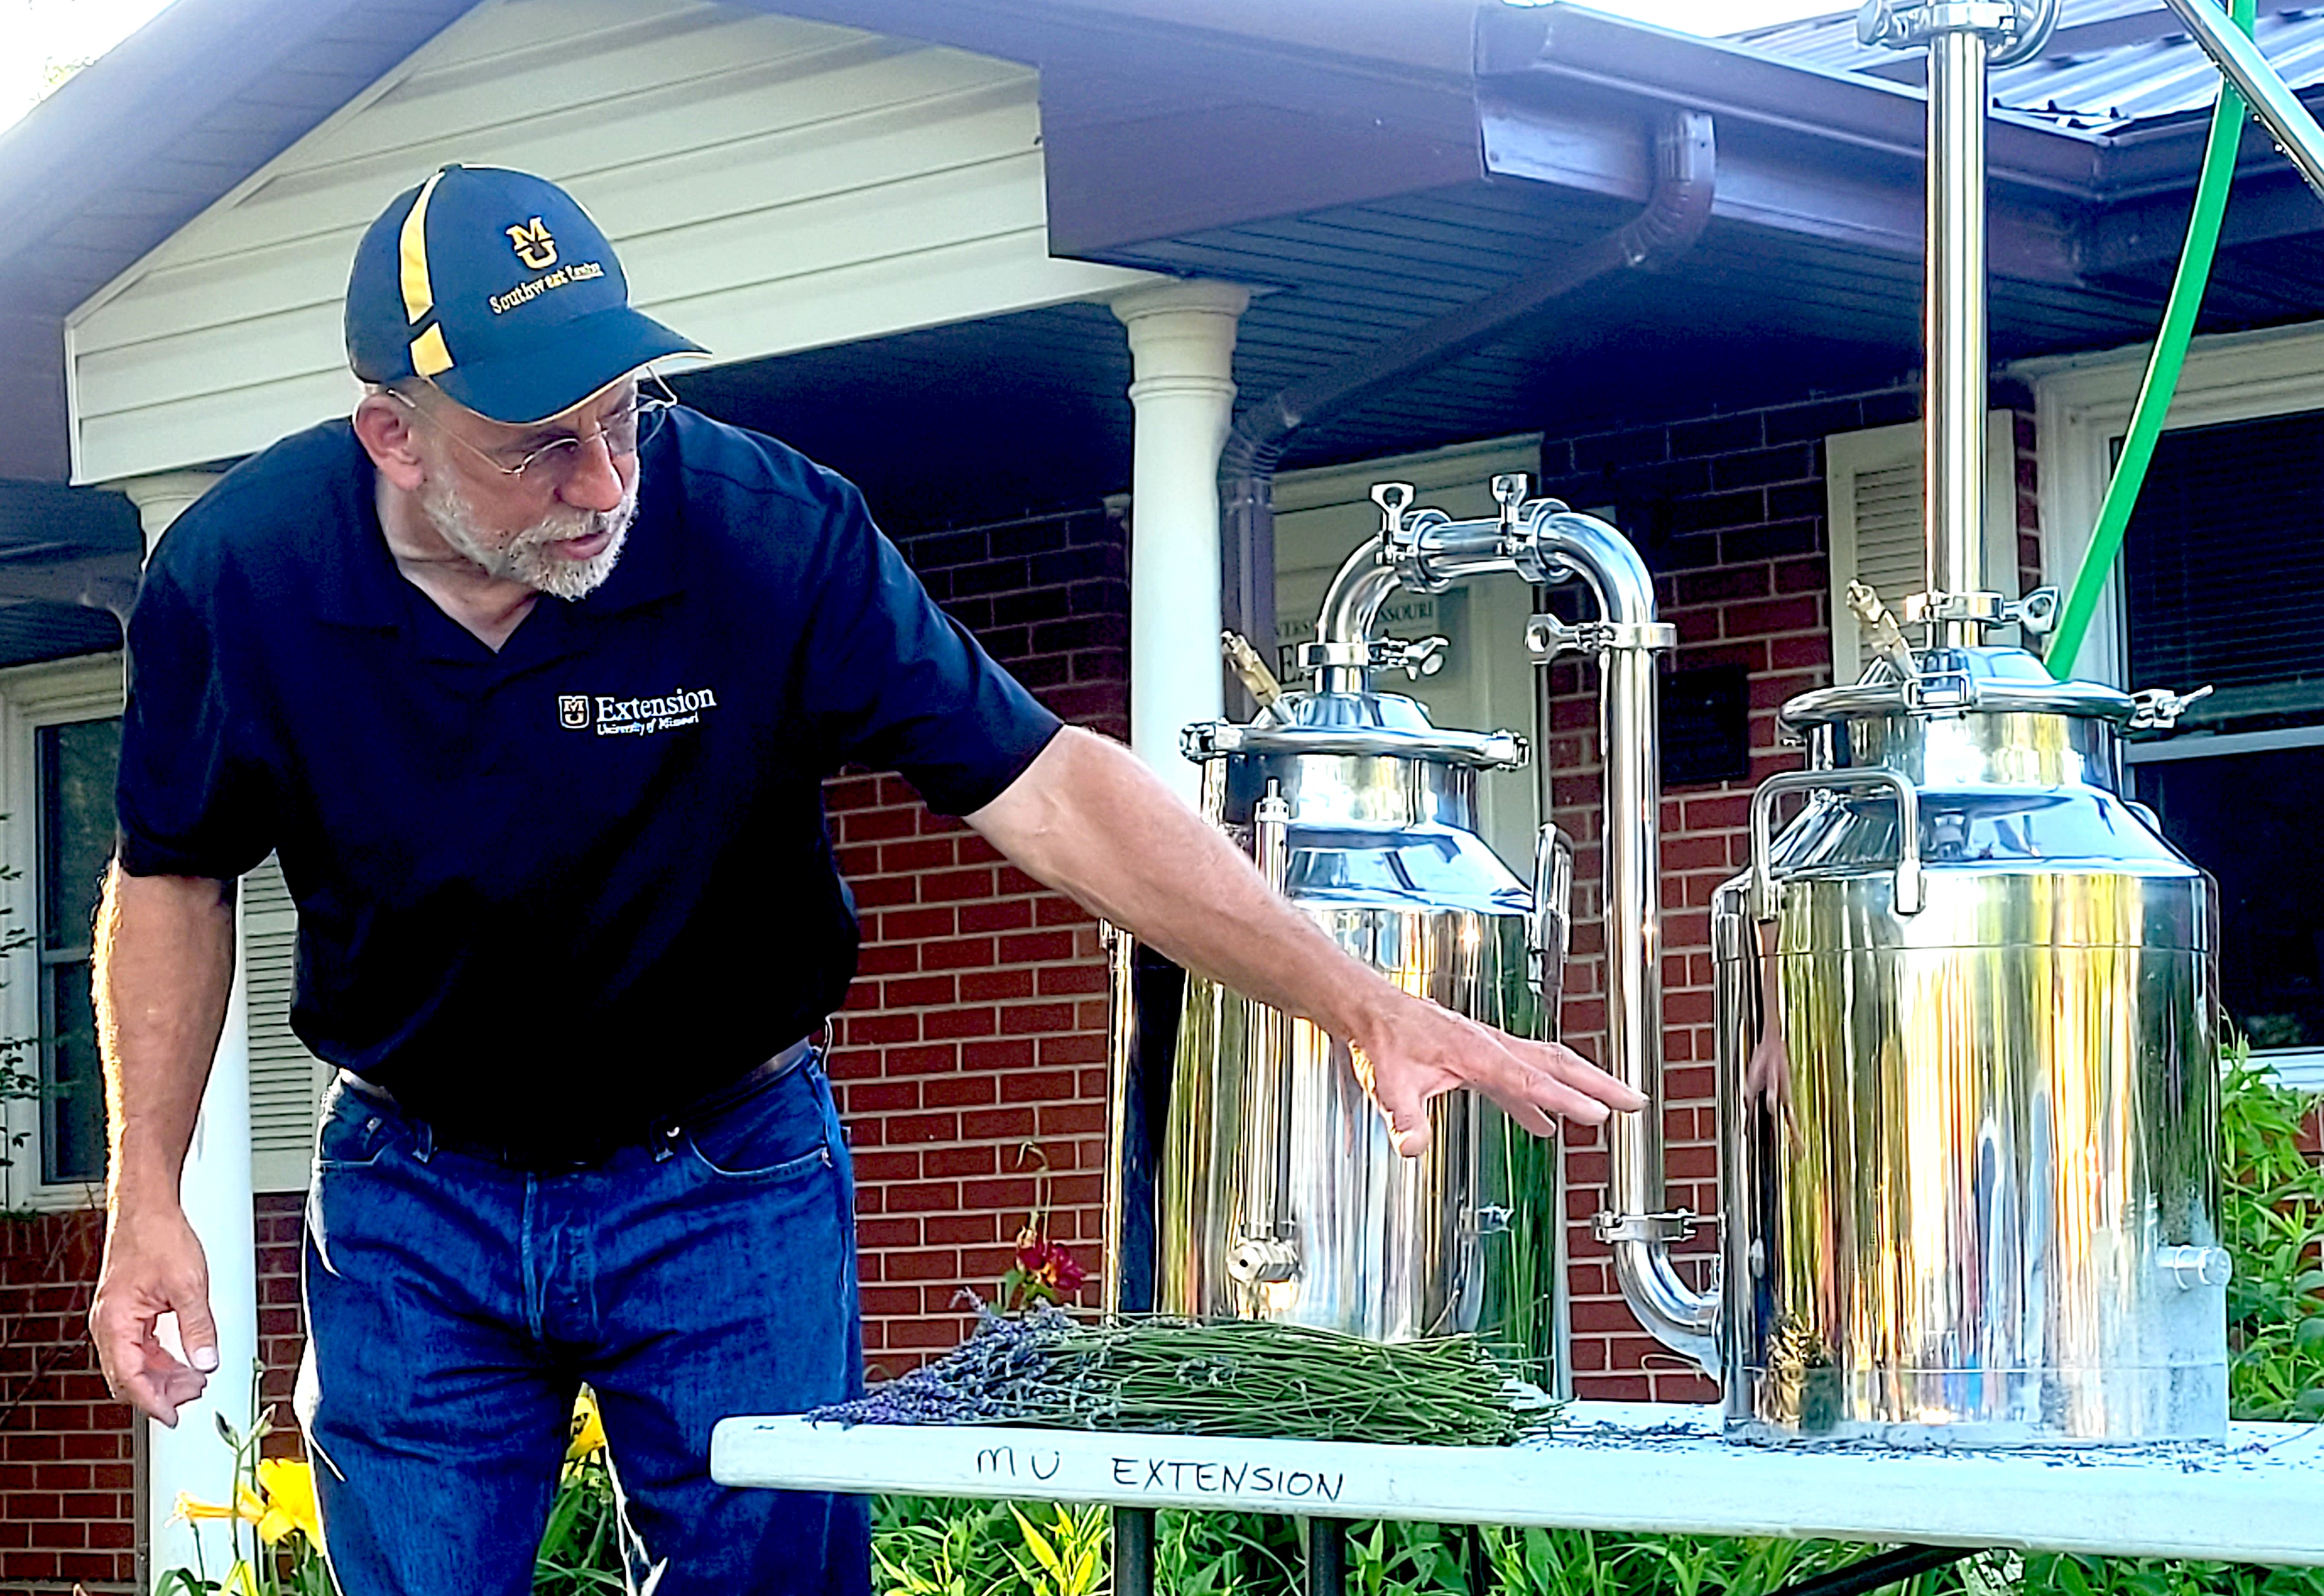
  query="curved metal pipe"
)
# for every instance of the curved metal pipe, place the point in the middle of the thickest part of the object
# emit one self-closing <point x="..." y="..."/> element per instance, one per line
<point x="1637" y="1227"/>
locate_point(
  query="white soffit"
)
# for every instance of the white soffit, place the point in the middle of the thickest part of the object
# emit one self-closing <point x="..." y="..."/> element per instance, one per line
<point x="772" y="184"/>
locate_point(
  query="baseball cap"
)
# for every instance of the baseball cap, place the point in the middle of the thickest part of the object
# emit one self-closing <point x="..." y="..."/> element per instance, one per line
<point x="495" y="286"/>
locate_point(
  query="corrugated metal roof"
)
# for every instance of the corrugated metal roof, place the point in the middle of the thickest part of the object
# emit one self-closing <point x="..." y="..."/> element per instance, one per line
<point x="2111" y="64"/>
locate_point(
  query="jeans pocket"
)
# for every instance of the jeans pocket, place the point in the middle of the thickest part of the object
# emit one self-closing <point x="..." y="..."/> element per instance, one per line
<point x="355" y="1133"/>
<point x="772" y="1133"/>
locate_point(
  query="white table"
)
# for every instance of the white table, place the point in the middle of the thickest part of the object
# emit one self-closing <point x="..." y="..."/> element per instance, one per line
<point x="1623" y="1466"/>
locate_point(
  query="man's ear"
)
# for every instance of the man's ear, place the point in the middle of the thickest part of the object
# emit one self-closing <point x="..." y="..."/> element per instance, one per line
<point x="389" y="434"/>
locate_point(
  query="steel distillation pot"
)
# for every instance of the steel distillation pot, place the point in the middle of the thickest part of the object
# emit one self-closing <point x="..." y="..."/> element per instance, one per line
<point x="1280" y="1196"/>
<point x="1277" y="1192"/>
<point x="1970" y="1078"/>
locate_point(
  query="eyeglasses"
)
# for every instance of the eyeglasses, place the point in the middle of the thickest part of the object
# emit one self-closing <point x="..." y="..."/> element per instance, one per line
<point x="624" y="432"/>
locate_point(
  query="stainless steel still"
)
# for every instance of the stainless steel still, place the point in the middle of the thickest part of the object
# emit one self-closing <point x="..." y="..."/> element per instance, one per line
<point x="1966" y="1001"/>
<point x="1966" y="1007"/>
<point x="1280" y="1194"/>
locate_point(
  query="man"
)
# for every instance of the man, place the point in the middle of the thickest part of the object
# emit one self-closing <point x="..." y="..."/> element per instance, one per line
<point x="532" y="682"/>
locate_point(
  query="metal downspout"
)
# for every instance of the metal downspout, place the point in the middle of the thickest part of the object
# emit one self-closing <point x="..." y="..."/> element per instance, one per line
<point x="1676" y="211"/>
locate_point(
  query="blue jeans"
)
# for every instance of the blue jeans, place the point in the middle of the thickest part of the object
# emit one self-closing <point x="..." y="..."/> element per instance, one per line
<point x="454" y="1304"/>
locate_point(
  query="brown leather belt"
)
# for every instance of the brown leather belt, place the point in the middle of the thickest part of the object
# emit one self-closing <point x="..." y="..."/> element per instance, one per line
<point x="541" y="1160"/>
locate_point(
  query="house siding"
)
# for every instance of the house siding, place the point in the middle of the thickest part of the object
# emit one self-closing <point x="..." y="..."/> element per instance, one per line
<point x="772" y="184"/>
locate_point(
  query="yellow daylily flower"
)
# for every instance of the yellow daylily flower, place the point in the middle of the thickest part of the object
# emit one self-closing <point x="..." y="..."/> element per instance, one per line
<point x="588" y="1427"/>
<point x="290" y="1487"/>
<point x="247" y="1507"/>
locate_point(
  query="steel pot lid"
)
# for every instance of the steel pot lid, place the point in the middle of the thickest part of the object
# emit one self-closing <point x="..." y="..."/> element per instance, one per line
<point x="1359" y="723"/>
<point x="1955" y="681"/>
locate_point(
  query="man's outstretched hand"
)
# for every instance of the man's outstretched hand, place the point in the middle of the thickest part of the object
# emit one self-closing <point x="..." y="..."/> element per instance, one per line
<point x="1416" y="1050"/>
<point x="153" y="1265"/>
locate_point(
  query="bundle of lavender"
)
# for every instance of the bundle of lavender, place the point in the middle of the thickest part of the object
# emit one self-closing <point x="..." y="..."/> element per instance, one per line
<point x="1231" y="1378"/>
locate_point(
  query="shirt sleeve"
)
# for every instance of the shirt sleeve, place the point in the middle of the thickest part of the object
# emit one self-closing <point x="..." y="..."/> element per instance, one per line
<point x="894" y="683"/>
<point x="194" y="796"/>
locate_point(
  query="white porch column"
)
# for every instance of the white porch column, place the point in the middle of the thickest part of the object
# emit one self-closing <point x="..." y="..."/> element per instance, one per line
<point x="217" y="1195"/>
<point x="1182" y="356"/>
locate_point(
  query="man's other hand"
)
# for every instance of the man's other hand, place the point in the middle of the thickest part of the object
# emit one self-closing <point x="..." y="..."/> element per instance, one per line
<point x="1415" y="1051"/>
<point x="153" y="1265"/>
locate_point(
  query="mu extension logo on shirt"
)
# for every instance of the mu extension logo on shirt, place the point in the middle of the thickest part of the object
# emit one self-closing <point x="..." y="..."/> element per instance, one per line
<point x="634" y="717"/>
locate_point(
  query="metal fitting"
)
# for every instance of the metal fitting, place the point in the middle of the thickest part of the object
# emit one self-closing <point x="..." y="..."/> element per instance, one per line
<point x="1263" y="1260"/>
<point x="1416" y="657"/>
<point x="2158" y="709"/>
<point x="2190" y="1268"/>
<point x="2017" y="30"/>
<point x="1547" y="637"/>
<point x="1611" y="1230"/>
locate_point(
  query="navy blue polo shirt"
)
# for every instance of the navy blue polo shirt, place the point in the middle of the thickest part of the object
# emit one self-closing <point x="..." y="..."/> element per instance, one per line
<point x="554" y="890"/>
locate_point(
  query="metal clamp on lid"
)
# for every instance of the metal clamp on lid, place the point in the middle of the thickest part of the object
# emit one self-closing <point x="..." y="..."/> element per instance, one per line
<point x="1416" y="657"/>
<point x="2158" y="709"/>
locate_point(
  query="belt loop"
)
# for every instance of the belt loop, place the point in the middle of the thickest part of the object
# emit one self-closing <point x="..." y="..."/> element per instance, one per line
<point x="423" y="1141"/>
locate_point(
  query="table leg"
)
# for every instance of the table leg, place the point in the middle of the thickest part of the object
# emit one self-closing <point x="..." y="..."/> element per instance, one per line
<point x="1327" y="1555"/>
<point x="1133" y="1552"/>
<point x="1476" y="1569"/>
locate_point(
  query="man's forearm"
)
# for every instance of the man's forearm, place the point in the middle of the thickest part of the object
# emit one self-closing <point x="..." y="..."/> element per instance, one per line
<point x="163" y="970"/>
<point x="1099" y="825"/>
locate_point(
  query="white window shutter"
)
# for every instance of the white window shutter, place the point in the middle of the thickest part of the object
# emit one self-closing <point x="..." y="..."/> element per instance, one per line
<point x="1872" y="488"/>
<point x="286" y="1081"/>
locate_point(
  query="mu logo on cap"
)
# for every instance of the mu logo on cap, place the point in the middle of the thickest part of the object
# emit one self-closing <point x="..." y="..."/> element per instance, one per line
<point x="573" y="709"/>
<point x="532" y="243"/>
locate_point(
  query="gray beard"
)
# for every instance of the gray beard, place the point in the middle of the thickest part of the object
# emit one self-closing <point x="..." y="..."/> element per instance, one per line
<point x="524" y="557"/>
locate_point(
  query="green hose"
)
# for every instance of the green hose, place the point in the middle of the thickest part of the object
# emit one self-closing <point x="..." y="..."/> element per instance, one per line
<point x="2161" y="368"/>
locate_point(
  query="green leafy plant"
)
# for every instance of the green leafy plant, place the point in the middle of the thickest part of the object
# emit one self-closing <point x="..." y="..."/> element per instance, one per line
<point x="2272" y="1222"/>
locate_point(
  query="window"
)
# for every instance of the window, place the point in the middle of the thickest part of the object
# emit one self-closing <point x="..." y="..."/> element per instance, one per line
<point x="59" y="741"/>
<point x="2221" y="583"/>
<point x="76" y="766"/>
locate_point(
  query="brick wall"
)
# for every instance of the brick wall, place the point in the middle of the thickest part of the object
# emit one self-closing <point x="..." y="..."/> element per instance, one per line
<point x="67" y="1467"/>
<point x="970" y="1060"/>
